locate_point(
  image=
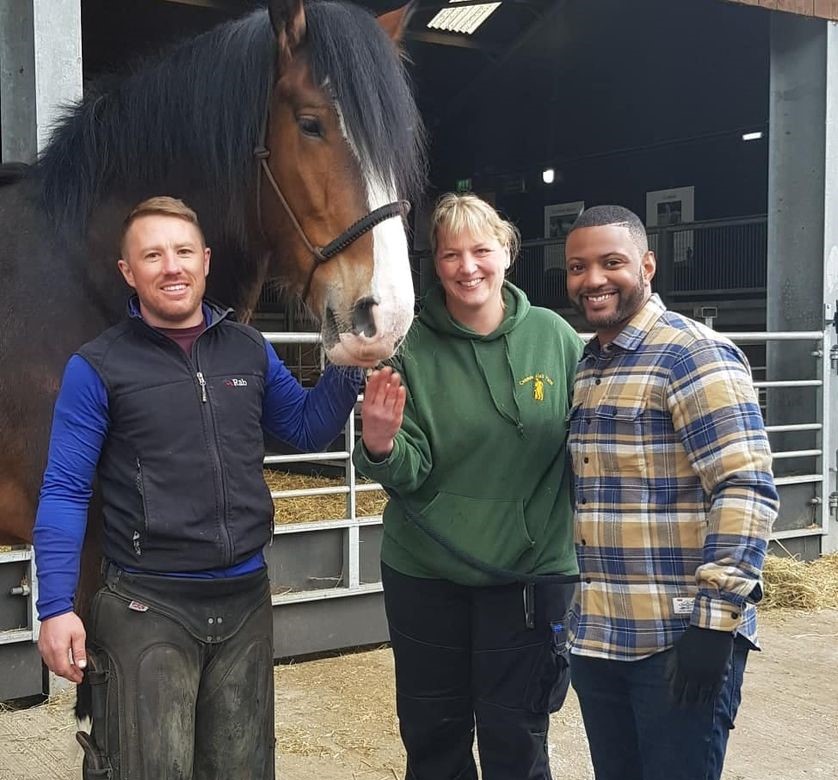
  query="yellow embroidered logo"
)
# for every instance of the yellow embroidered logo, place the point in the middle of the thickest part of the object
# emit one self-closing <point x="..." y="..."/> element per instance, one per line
<point x="538" y="382"/>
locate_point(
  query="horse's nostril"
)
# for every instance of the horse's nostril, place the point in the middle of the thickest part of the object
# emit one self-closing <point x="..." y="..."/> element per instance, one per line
<point x="363" y="321"/>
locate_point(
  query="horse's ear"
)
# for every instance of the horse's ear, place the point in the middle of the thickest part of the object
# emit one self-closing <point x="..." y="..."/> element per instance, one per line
<point x="288" y="18"/>
<point x="394" y="22"/>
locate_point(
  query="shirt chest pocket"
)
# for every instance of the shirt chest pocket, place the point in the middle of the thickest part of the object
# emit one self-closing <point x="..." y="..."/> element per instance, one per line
<point x="619" y="439"/>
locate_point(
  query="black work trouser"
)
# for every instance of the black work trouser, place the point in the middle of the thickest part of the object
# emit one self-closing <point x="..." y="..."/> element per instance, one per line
<point x="464" y="659"/>
<point x="181" y="675"/>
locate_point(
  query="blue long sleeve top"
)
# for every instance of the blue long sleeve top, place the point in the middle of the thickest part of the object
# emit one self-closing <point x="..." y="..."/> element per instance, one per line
<point x="308" y="419"/>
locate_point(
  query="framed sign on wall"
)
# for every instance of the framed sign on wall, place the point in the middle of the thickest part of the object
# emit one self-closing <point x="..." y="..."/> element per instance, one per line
<point x="673" y="207"/>
<point x="558" y="219"/>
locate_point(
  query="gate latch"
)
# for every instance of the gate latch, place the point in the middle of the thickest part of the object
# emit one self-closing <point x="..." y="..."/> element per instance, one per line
<point x="833" y="504"/>
<point x="22" y="589"/>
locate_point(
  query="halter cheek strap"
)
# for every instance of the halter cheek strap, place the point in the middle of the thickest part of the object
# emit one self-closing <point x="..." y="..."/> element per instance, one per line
<point x="398" y="208"/>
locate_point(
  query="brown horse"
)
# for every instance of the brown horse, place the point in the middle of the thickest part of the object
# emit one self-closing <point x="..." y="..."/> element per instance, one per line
<point x="294" y="136"/>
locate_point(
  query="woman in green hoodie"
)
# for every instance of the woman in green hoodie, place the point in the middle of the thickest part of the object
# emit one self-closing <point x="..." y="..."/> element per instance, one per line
<point x="468" y="435"/>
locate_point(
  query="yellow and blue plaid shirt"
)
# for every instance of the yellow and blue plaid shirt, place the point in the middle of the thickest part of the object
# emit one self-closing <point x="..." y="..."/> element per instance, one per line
<point x="674" y="492"/>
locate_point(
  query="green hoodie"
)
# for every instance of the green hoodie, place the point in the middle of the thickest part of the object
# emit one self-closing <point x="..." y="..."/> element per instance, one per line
<point x="482" y="450"/>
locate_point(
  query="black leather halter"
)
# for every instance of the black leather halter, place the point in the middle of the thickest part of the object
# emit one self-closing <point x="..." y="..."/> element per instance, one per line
<point x="320" y="254"/>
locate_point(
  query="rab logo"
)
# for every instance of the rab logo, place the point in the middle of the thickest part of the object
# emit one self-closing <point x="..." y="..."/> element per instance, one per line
<point x="235" y="382"/>
<point x="538" y="381"/>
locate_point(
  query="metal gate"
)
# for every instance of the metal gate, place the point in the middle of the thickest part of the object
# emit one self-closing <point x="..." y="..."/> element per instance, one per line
<point x="325" y="575"/>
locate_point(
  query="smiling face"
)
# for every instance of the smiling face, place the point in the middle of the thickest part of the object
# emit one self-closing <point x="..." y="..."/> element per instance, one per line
<point x="609" y="277"/>
<point x="164" y="259"/>
<point x="471" y="269"/>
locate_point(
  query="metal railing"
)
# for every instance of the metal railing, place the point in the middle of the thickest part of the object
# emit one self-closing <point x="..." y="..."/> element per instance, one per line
<point x="28" y="589"/>
<point x="351" y="523"/>
<point x="725" y="258"/>
<point x="707" y="258"/>
<point x="350" y="577"/>
<point x="820" y="510"/>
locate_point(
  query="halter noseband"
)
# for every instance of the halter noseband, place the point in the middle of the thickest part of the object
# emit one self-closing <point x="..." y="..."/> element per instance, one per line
<point x="320" y="254"/>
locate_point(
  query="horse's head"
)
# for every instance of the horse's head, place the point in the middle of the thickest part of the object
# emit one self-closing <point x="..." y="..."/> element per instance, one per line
<point x="345" y="143"/>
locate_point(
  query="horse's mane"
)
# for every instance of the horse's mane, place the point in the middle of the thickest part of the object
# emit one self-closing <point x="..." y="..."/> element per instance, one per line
<point x="345" y="40"/>
<point x="190" y="120"/>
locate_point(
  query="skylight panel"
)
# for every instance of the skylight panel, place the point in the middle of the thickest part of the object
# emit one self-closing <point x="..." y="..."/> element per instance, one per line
<point x="462" y="20"/>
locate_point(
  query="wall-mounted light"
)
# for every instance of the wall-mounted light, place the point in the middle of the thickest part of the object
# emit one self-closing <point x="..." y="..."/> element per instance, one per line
<point x="548" y="175"/>
<point x="752" y="136"/>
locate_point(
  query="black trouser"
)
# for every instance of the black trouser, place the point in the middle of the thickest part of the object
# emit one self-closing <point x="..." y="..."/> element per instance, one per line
<point x="465" y="657"/>
<point x="182" y="679"/>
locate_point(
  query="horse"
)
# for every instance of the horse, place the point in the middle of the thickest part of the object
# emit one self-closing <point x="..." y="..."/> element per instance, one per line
<point x="294" y="135"/>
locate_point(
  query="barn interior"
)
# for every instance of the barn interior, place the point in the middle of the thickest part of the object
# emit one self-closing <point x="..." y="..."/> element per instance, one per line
<point x="548" y="106"/>
<point x="711" y="119"/>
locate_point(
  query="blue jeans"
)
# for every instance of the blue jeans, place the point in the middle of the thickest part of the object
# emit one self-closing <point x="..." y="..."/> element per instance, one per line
<point x="636" y="733"/>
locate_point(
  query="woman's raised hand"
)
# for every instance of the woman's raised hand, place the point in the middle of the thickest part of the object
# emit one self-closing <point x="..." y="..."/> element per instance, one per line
<point x="382" y="411"/>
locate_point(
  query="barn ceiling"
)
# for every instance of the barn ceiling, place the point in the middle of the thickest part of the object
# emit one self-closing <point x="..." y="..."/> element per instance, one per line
<point x="538" y="81"/>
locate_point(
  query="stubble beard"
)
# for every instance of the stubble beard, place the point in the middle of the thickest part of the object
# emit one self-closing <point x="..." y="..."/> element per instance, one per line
<point x="627" y="306"/>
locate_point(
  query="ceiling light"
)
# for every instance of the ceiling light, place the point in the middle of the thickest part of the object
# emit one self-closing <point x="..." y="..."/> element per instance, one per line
<point x="548" y="175"/>
<point x="752" y="136"/>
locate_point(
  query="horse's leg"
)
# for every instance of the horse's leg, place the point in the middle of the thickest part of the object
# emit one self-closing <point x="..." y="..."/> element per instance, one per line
<point x="89" y="582"/>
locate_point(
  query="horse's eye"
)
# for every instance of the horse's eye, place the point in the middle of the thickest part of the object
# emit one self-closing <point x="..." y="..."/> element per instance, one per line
<point x="310" y="126"/>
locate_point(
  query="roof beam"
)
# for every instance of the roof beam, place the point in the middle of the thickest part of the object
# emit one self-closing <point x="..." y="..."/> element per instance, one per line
<point x="451" y="39"/>
<point x="821" y="9"/>
<point x="222" y="5"/>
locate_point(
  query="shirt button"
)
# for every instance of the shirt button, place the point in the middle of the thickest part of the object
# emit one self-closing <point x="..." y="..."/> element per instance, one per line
<point x="587" y="421"/>
<point x="583" y="500"/>
<point x="583" y="542"/>
<point x="588" y="580"/>
<point x="586" y="460"/>
<point x="598" y="382"/>
<point x="735" y="615"/>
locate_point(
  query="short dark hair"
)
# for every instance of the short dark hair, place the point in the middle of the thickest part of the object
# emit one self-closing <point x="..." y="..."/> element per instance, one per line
<point x="598" y="216"/>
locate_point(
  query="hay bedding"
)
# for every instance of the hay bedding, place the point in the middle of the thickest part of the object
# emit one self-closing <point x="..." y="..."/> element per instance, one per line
<point x="794" y="584"/>
<point x="789" y="582"/>
<point x="310" y="509"/>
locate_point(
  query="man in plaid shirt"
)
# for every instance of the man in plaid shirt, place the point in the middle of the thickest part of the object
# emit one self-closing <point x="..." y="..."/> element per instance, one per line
<point x="674" y="505"/>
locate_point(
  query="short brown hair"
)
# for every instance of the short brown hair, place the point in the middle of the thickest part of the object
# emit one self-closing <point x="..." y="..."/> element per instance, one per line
<point x="163" y="206"/>
<point x="459" y="212"/>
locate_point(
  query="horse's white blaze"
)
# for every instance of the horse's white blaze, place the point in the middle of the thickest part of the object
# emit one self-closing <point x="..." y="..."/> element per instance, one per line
<point x="391" y="285"/>
<point x="392" y="281"/>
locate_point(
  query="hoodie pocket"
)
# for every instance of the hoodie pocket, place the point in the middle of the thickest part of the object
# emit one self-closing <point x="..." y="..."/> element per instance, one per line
<point x="492" y="530"/>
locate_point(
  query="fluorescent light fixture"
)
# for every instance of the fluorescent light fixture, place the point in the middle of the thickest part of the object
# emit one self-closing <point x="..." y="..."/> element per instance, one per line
<point x="548" y="175"/>
<point x="752" y="136"/>
<point x="462" y="20"/>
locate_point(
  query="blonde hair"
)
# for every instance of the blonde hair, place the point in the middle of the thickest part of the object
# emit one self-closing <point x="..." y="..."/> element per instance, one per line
<point x="459" y="213"/>
<point x="163" y="206"/>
